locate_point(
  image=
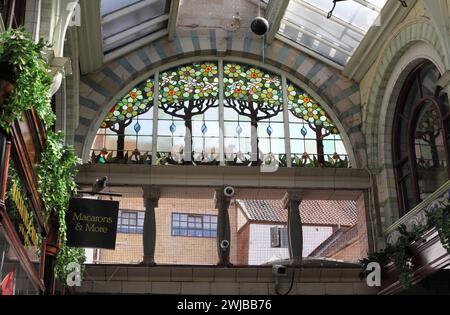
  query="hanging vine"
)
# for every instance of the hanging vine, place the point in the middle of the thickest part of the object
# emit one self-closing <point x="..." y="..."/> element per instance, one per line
<point x="56" y="172"/>
<point x="26" y="77"/>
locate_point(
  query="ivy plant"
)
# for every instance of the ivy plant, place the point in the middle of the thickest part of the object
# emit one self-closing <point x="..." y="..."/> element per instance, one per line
<point x="56" y="172"/>
<point x="440" y="218"/>
<point x="400" y="252"/>
<point x="30" y="75"/>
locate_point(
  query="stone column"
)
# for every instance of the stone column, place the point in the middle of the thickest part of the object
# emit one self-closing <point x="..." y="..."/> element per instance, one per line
<point x="222" y="203"/>
<point x="291" y="202"/>
<point x="151" y="197"/>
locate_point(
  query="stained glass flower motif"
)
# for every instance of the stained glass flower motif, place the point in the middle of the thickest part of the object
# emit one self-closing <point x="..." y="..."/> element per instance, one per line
<point x="138" y="101"/>
<point x="251" y="84"/>
<point x="190" y="82"/>
<point x="306" y="108"/>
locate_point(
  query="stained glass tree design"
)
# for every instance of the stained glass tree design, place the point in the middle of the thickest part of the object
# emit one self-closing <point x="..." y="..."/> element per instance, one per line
<point x="429" y="136"/>
<point x="253" y="93"/>
<point x="188" y="91"/>
<point x="304" y="107"/>
<point x="137" y="102"/>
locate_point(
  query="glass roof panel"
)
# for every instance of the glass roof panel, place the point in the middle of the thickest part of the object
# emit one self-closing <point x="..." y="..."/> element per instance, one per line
<point x="305" y="22"/>
<point x="109" y="6"/>
<point x="125" y="21"/>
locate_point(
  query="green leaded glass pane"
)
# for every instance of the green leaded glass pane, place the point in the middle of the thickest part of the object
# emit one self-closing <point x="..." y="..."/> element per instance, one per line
<point x="250" y="84"/>
<point x="197" y="81"/>
<point x="138" y="101"/>
<point x="306" y="108"/>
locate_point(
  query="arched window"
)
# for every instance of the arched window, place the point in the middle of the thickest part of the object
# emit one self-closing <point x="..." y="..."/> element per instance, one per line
<point x="127" y="131"/>
<point x="194" y="105"/>
<point x="420" y="138"/>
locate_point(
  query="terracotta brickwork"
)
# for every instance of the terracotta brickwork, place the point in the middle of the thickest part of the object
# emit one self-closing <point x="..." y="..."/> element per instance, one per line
<point x="128" y="250"/>
<point x="349" y="253"/>
<point x="243" y="240"/>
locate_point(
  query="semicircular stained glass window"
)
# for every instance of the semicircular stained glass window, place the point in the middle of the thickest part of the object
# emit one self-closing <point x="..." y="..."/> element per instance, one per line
<point x="126" y="132"/>
<point x="188" y="123"/>
<point x="315" y="138"/>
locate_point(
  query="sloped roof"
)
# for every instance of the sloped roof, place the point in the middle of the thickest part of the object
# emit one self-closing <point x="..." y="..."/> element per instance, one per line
<point x="338" y="240"/>
<point x="312" y="212"/>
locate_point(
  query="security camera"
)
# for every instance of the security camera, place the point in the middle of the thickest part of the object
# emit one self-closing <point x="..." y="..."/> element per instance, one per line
<point x="228" y="191"/>
<point x="279" y="270"/>
<point x="224" y="245"/>
<point x="260" y="26"/>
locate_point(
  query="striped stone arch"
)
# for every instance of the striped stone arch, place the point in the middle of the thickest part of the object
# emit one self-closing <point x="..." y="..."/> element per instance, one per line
<point x="418" y="30"/>
<point x="100" y="90"/>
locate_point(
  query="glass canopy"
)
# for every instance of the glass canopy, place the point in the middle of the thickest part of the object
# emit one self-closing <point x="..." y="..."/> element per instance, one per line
<point x="126" y="21"/>
<point x="305" y="22"/>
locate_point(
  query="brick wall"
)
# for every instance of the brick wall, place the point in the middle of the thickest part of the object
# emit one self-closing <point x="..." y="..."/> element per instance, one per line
<point x="243" y="241"/>
<point x="170" y="249"/>
<point x="350" y="253"/>
<point x="128" y="250"/>
<point x="363" y="239"/>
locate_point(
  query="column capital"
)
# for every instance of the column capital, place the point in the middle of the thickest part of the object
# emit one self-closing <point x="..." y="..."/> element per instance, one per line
<point x="220" y="197"/>
<point x="292" y="195"/>
<point x="151" y="192"/>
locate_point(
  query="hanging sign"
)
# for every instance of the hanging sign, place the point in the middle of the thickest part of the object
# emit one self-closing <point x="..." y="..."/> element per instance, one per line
<point x="92" y="223"/>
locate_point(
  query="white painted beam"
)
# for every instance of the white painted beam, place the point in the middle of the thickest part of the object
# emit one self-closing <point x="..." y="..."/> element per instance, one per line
<point x="369" y="48"/>
<point x="274" y="14"/>
<point x="90" y="36"/>
<point x="173" y="18"/>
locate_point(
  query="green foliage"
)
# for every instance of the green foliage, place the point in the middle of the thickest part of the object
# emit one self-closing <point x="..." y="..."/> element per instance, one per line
<point x="32" y="80"/>
<point x="65" y="256"/>
<point x="398" y="253"/>
<point x="440" y="218"/>
<point x="56" y="179"/>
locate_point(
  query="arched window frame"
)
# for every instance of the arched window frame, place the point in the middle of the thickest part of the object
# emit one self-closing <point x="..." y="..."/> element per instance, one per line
<point x="411" y="158"/>
<point x="285" y="78"/>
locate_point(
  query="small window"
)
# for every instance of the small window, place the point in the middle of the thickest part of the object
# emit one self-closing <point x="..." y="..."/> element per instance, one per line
<point x="278" y="237"/>
<point x="131" y="222"/>
<point x="194" y="225"/>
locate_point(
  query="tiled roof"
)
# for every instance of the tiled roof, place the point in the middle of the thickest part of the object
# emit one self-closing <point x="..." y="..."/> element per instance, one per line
<point x="312" y="212"/>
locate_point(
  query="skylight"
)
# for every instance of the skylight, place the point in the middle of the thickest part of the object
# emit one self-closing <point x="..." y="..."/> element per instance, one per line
<point x="126" y="21"/>
<point x="305" y="22"/>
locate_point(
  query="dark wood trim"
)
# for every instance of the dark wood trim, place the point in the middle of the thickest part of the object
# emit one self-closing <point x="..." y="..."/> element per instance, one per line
<point x="429" y="256"/>
<point x="399" y="161"/>
<point x="28" y="175"/>
<point x="14" y="241"/>
<point x="40" y="129"/>
<point x="16" y="13"/>
<point x="5" y="155"/>
<point x="35" y="132"/>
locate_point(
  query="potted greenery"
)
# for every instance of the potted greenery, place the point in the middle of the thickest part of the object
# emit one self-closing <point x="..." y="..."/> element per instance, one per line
<point x="25" y="78"/>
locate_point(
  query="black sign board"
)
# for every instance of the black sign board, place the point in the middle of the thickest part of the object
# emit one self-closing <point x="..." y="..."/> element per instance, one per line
<point x="92" y="223"/>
